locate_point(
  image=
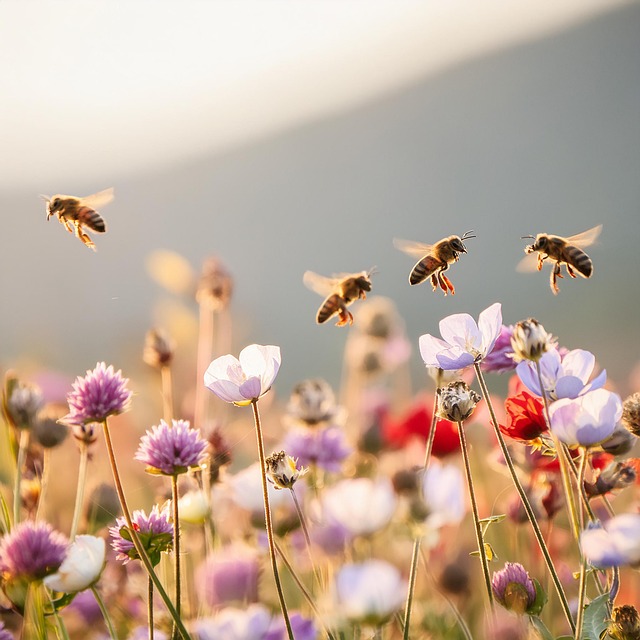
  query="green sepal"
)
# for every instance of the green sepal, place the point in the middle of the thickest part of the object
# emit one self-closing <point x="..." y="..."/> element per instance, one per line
<point x="540" y="601"/>
<point x="541" y="628"/>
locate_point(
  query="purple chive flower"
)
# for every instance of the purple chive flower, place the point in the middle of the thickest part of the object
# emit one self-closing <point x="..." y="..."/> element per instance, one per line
<point x="4" y="634"/>
<point x="303" y="628"/>
<point x="465" y="342"/>
<point x="563" y="376"/>
<point x="513" y="588"/>
<point x="100" y="394"/>
<point x="614" y="544"/>
<point x="500" y="359"/>
<point x="325" y="447"/>
<point x="171" y="450"/>
<point x="586" y="420"/>
<point x="229" y="575"/>
<point x="32" y="551"/>
<point x="154" y="530"/>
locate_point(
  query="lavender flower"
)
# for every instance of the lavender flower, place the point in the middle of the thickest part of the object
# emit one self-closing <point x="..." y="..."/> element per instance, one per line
<point x="465" y="342"/>
<point x="500" y="359"/>
<point x="100" y="394"/>
<point x="171" y="450"/>
<point x="303" y="628"/>
<point x="614" y="544"/>
<point x="32" y="551"/>
<point x="325" y="447"/>
<point x="513" y="588"/>
<point x="4" y="634"/>
<point x="154" y="530"/>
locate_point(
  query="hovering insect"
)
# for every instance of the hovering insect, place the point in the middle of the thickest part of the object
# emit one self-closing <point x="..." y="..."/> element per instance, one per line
<point x="434" y="259"/>
<point x="567" y="251"/>
<point x="340" y="290"/>
<point x="74" y="213"/>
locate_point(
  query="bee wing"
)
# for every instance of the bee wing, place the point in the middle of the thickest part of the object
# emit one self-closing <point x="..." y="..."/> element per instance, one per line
<point x="98" y="200"/>
<point x="586" y="238"/>
<point x="528" y="264"/>
<point x="320" y="284"/>
<point x="414" y="249"/>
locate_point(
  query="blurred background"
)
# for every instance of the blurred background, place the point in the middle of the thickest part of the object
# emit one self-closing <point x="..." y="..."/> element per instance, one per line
<point x="287" y="136"/>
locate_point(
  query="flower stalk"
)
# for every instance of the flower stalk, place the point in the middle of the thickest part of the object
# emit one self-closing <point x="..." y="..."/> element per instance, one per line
<point x="82" y="483"/>
<point x="176" y="547"/>
<point x="105" y="613"/>
<point x="582" y="589"/>
<point x="22" y="456"/>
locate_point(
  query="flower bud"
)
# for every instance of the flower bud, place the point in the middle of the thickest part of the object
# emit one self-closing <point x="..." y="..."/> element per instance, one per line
<point x="529" y="340"/>
<point x="193" y="507"/>
<point x="616" y="475"/>
<point x="378" y="318"/>
<point x="47" y="430"/>
<point x="631" y="414"/>
<point x="282" y="471"/>
<point x="619" y="443"/>
<point x="81" y="567"/>
<point x="513" y="588"/>
<point x="85" y="434"/>
<point x="21" y="401"/>
<point x="158" y="349"/>
<point x="215" y="286"/>
<point x="625" y="623"/>
<point x="456" y="401"/>
<point x="312" y="401"/>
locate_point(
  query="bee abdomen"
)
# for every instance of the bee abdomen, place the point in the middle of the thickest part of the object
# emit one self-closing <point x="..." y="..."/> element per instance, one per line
<point x="329" y="307"/>
<point x="92" y="219"/>
<point x="423" y="269"/>
<point x="581" y="261"/>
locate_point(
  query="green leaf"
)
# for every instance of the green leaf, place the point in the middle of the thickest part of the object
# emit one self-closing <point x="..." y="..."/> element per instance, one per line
<point x="491" y="519"/>
<point x="596" y="617"/>
<point x="540" y="628"/>
<point x="539" y="602"/>
<point x="6" y="518"/>
<point x="488" y="549"/>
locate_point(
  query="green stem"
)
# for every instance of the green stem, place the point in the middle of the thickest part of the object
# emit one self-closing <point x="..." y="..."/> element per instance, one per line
<point x="150" y="607"/>
<point x="525" y="501"/>
<point x="22" y="455"/>
<point x="82" y="483"/>
<point x="413" y="571"/>
<point x="44" y="482"/>
<point x="476" y="515"/>
<point x="135" y="539"/>
<point x="176" y="546"/>
<point x="167" y="394"/>
<point x="105" y="614"/>
<point x="267" y="518"/>
<point x="307" y="537"/>
<point x="582" y="589"/>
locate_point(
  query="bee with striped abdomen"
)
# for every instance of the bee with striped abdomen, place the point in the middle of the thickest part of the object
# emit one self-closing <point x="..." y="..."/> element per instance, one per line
<point x="75" y="213"/>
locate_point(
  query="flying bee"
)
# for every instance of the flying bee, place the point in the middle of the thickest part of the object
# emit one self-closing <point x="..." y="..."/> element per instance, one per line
<point x="559" y="250"/>
<point x="340" y="290"/>
<point x="434" y="259"/>
<point x="75" y="213"/>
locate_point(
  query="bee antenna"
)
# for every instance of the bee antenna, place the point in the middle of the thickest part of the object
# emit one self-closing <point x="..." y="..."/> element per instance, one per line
<point x="372" y="271"/>
<point x="467" y="235"/>
<point x="527" y="237"/>
<point x="45" y="198"/>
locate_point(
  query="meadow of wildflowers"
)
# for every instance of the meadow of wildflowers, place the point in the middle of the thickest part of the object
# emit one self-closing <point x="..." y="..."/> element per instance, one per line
<point x="361" y="512"/>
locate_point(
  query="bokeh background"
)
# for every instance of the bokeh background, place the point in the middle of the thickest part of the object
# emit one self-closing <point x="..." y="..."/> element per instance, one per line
<point x="286" y="136"/>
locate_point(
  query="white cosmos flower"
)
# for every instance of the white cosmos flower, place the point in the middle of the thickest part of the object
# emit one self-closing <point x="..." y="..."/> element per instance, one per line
<point x="362" y="506"/>
<point x="243" y="380"/>
<point x="82" y="566"/>
<point x="370" y="592"/>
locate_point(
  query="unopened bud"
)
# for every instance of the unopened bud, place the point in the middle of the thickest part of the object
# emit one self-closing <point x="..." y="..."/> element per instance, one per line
<point x="312" y="402"/>
<point x="47" y="430"/>
<point x="631" y="414"/>
<point x="625" y="623"/>
<point x="85" y="434"/>
<point x="529" y="340"/>
<point x="22" y="401"/>
<point x="456" y="401"/>
<point x="215" y="286"/>
<point x="378" y="318"/>
<point x="619" y="443"/>
<point x="616" y="475"/>
<point x="158" y="349"/>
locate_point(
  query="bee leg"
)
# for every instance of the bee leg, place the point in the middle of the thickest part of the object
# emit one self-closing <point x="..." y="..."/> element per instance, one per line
<point x="449" y="286"/>
<point x="84" y="237"/>
<point x="344" y="317"/>
<point x="541" y="259"/>
<point x="555" y="272"/>
<point x="570" y="271"/>
<point x="434" y="282"/>
<point x="66" y="223"/>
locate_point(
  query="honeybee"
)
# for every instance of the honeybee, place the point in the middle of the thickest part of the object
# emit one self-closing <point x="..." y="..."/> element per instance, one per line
<point x="340" y="290"/>
<point x="74" y="213"/>
<point x="567" y="251"/>
<point x="434" y="259"/>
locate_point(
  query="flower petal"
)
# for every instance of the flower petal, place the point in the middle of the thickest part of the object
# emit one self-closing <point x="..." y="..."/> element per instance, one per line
<point x="250" y="389"/>
<point x="460" y="329"/>
<point x="430" y="347"/>
<point x="490" y="324"/>
<point x="454" y="358"/>
<point x="528" y="376"/>
<point x="568" y="387"/>
<point x="596" y="383"/>
<point x="579" y="363"/>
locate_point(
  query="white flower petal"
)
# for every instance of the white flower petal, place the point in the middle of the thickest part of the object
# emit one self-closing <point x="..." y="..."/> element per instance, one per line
<point x="490" y="324"/>
<point x="81" y="567"/>
<point x="460" y="329"/>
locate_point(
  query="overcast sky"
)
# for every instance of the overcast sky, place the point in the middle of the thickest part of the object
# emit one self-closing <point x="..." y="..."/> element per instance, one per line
<point x="106" y="88"/>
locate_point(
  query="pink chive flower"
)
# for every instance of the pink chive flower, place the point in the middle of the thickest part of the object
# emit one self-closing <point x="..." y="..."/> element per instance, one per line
<point x="32" y="551"/>
<point x="171" y="450"/>
<point x="100" y="394"/>
<point x="242" y="381"/>
<point x="464" y="342"/>
<point x="513" y="588"/>
<point x="154" y="530"/>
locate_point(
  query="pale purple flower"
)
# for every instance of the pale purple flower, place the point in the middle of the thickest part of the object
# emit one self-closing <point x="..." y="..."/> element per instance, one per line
<point x="246" y="491"/>
<point x="303" y="628"/>
<point x="100" y="394"/>
<point x="331" y="536"/>
<point x="250" y="623"/>
<point x="444" y="494"/>
<point x="586" y="420"/>
<point x="464" y="342"/>
<point x="500" y="359"/>
<point x="243" y="380"/>
<point x="613" y="544"/>
<point x="325" y="447"/>
<point x="4" y="633"/>
<point x="563" y="376"/>
<point x="32" y="551"/>
<point x="370" y="592"/>
<point x="228" y="575"/>
<point x="154" y="530"/>
<point x="171" y="450"/>
<point x="513" y="588"/>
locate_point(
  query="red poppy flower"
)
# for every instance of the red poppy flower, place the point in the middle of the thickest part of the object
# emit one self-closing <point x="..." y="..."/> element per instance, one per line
<point x="525" y="417"/>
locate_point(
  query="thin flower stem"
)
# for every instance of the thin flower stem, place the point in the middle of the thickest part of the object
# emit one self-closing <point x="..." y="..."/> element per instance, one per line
<point x="413" y="571"/>
<point x="150" y="606"/>
<point x="267" y="518"/>
<point x="205" y="349"/>
<point x="307" y="537"/>
<point x="44" y="482"/>
<point x="105" y="614"/>
<point x="167" y="394"/>
<point x="615" y="584"/>
<point x="135" y="539"/>
<point x="61" y="628"/>
<point x="176" y="547"/>
<point x="525" y="501"/>
<point x="82" y="483"/>
<point x="22" y="456"/>
<point x="564" y="471"/>
<point x="476" y="515"/>
<point x="582" y="589"/>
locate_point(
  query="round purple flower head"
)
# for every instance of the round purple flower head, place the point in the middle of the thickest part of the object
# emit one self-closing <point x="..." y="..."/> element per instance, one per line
<point x="500" y="358"/>
<point x="32" y="551"/>
<point x="154" y="530"/>
<point x="171" y="450"/>
<point x="100" y="394"/>
<point x="325" y="447"/>
<point x="513" y="588"/>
